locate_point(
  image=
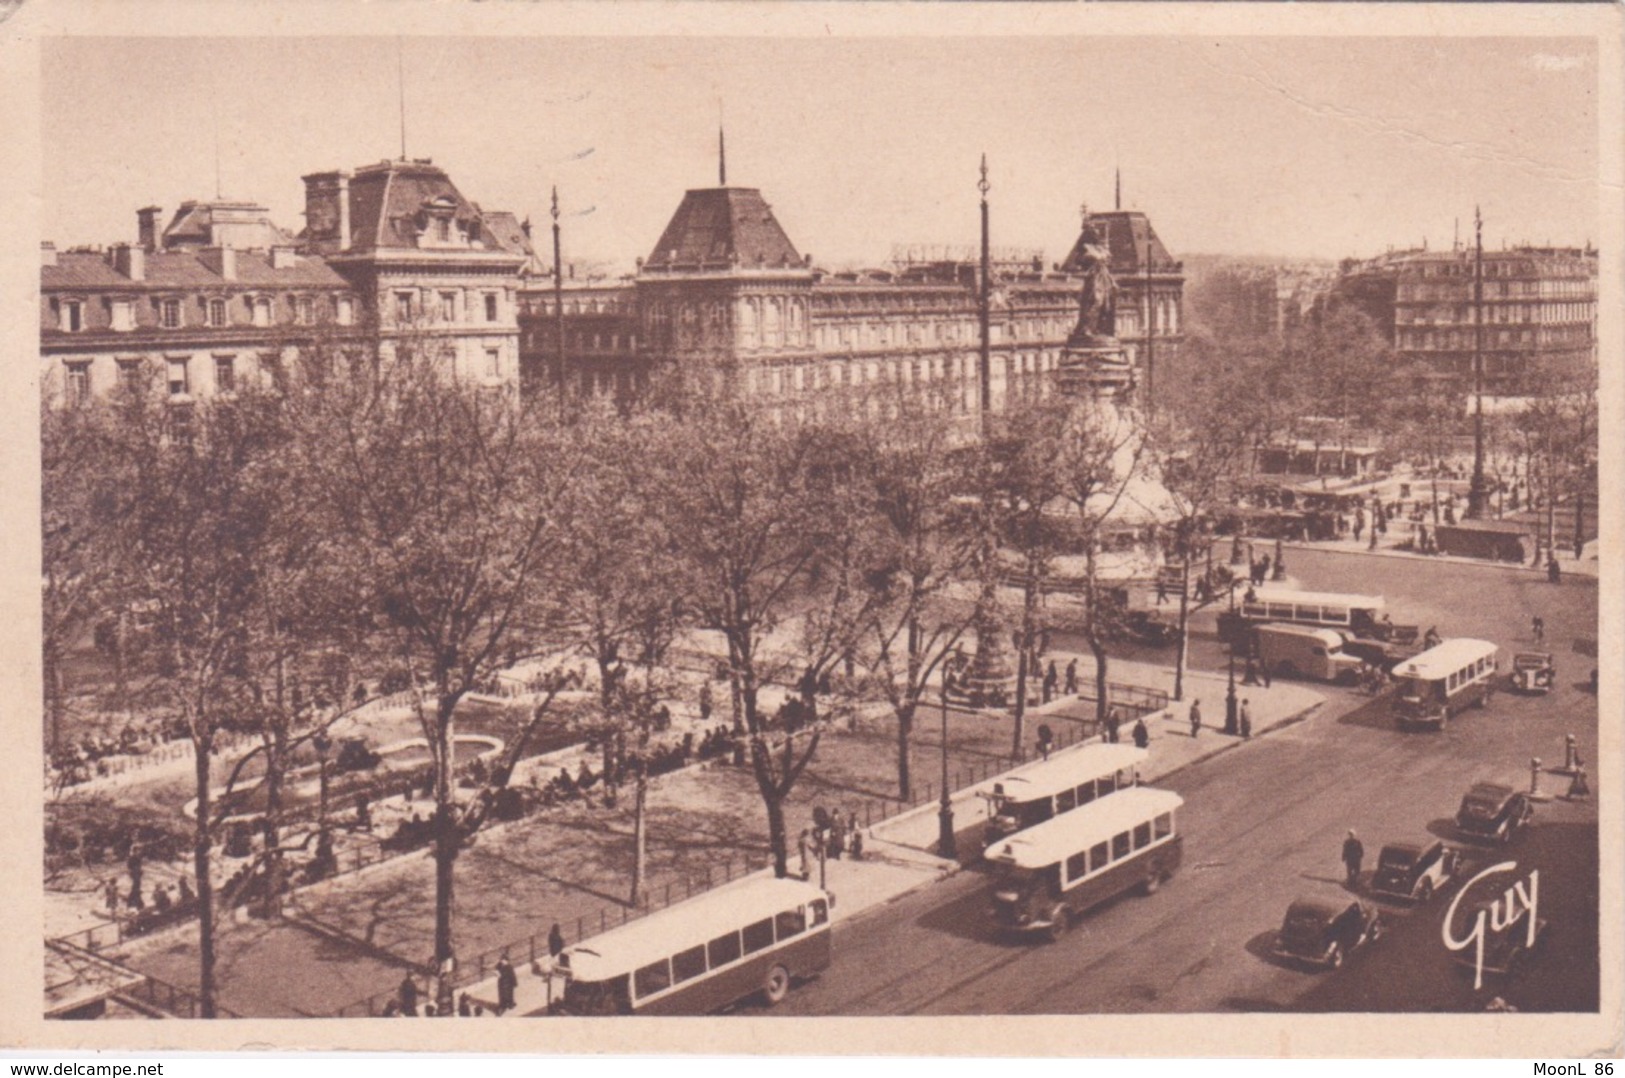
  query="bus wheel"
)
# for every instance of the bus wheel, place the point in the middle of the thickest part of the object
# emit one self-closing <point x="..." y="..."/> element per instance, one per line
<point x="777" y="985"/>
<point x="1153" y="882"/>
<point x="1060" y="919"/>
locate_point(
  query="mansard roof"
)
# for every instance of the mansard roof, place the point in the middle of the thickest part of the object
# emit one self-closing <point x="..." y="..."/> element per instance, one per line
<point x="185" y="270"/>
<point x="723" y="227"/>
<point x="194" y="223"/>
<point x="1125" y="233"/>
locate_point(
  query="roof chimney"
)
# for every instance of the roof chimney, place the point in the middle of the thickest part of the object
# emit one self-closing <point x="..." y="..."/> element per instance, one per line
<point x="222" y="260"/>
<point x="147" y="227"/>
<point x="130" y="260"/>
<point x="47" y="253"/>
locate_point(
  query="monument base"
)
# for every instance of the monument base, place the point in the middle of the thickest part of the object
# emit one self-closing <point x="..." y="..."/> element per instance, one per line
<point x="1094" y="366"/>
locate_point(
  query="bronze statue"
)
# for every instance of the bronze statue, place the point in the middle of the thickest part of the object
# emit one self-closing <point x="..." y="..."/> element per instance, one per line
<point x="1097" y="303"/>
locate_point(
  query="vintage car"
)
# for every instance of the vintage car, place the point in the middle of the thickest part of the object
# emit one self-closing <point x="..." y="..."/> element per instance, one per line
<point x="1414" y="870"/>
<point x="1506" y="950"/>
<point x="1491" y="810"/>
<point x="1533" y="672"/>
<point x="1145" y="627"/>
<point x="1322" y="931"/>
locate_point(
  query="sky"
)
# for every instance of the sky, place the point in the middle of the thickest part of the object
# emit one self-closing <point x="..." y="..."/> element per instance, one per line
<point x="1298" y="147"/>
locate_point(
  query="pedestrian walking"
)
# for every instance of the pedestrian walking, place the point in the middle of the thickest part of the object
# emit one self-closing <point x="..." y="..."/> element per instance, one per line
<point x="1051" y="680"/>
<point x="408" y="994"/>
<point x="1539" y="628"/>
<point x="1554" y="574"/>
<point x="1264" y="672"/>
<point x="806" y="853"/>
<point x="1162" y="591"/>
<point x="1246" y="721"/>
<point x="837" y="835"/>
<point x="507" y="981"/>
<point x="705" y="702"/>
<point x="856" y="844"/>
<point x="465" y="1006"/>
<point x="1196" y="718"/>
<point x="1263" y="568"/>
<point x="1113" y="721"/>
<point x="110" y="897"/>
<point x="555" y="941"/>
<point x="1072" y="678"/>
<point x="1353" y="854"/>
<point x="1046" y="740"/>
<point x="1142" y="736"/>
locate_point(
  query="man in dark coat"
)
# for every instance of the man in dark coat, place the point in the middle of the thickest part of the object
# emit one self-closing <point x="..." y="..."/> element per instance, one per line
<point x="1353" y="854"/>
<point x="507" y="981"/>
<point x="409" y="996"/>
<point x="1142" y="736"/>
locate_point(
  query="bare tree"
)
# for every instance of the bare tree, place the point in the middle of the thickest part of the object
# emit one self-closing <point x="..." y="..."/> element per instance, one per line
<point x="921" y="548"/>
<point x="447" y="495"/>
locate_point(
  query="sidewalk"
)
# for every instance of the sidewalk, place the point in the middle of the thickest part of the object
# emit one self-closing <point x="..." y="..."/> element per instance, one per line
<point x="1588" y="568"/>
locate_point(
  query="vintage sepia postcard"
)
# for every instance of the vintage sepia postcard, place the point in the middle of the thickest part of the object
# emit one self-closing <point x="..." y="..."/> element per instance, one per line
<point x="973" y="529"/>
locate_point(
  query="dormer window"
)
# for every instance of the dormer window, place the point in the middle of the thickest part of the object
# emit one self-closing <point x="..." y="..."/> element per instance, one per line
<point x="442" y="229"/>
<point x="262" y="310"/>
<point x="344" y="311"/>
<point x="123" y="315"/>
<point x="169" y="313"/>
<point x="304" y="310"/>
<point x="217" y="312"/>
<point x="72" y="315"/>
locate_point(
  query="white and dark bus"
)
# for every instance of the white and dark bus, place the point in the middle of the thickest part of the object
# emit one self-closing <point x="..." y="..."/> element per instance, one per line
<point x="1443" y="680"/>
<point x="695" y="957"/>
<point x="1059" y="785"/>
<point x="1047" y="875"/>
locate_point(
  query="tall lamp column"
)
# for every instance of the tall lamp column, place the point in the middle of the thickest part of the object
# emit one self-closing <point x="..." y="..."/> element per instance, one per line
<point x="946" y="846"/>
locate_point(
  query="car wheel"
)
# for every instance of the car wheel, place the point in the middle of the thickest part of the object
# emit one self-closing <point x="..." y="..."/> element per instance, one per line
<point x="777" y="985"/>
<point x="1375" y="933"/>
<point x="1336" y="959"/>
<point x="1059" y="921"/>
<point x="1424" y="892"/>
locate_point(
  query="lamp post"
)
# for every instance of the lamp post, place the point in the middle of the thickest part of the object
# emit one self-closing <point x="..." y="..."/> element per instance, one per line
<point x="321" y="743"/>
<point x="984" y="312"/>
<point x="946" y="846"/>
<point x="1279" y="572"/>
<point x="1475" y="491"/>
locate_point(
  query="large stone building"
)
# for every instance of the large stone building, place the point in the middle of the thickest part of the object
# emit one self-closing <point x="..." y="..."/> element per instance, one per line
<point x="390" y="252"/>
<point x="726" y="294"/>
<point x="1539" y="310"/>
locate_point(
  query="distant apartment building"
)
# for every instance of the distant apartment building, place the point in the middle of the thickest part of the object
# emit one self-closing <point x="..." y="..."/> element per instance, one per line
<point x="222" y="295"/>
<point x="1539" y="310"/>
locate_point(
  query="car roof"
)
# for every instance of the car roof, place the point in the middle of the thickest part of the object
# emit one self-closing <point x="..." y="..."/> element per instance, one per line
<point x="1411" y="849"/>
<point x="1318" y="905"/>
<point x="1491" y="789"/>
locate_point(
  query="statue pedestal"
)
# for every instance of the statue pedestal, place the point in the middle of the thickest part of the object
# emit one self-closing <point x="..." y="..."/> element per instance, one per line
<point x="991" y="680"/>
<point x="1094" y="366"/>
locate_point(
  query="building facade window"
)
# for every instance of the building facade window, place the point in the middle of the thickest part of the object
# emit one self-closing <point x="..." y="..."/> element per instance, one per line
<point x="493" y="363"/>
<point x="72" y="313"/>
<point x="78" y="382"/>
<point x="344" y="310"/>
<point x="403" y="307"/>
<point x="169" y="314"/>
<point x="225" y="374"/>
<point x="123" y="315"/>
<point x="179" y="383"/>
<point x="490" y="306"/>
<point x="217" y="312"/>
<point x="130" y="374"/>
<point x="304" y="310"/>
<point x="448" y="306"/>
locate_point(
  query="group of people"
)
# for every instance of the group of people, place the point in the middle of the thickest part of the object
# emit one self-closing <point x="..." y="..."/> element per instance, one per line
<point x="78" y="762"/>
<point x="405" y="1002"/>
<point x="1052" y="680"/>
<point x="830" y="836"/>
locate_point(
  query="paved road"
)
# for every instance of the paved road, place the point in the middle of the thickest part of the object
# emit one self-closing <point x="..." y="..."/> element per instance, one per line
<point x="1263" y="824"/>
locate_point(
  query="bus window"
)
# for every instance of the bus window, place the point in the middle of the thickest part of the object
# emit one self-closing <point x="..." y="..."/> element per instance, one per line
<point x="1066" y="801"/>
<point x="1255" y="610"/>
<point x="1281" y="610"/>
<point x="1120" y="845"/>
<point x="1165" y="825"/>
<point x="1306" y="613"/>
<point x="1077" y="867"/>
<point x="652" y="978"/>
<point x="1334" y="615"/>
<point x="1142" y="835"/>
<point x="1086" y="792"/>
<point x="791" y="923"/>
<point x="820" y="912"/>
<point x="686" y="965"/>
<point x="758" y="936"/>
<point x="1097" y="855"/>
<point x="724" y="949"/>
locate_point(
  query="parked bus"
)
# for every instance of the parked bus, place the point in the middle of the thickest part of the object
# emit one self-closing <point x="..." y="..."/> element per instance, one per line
<point x="1443" y="680"/>
<point x="703" y="954"/>
<point x="1306" y="651"/>
<point x="1049" y="874"/>
<point x="1059" y="785"/>
<point x="1358" y="614"/>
